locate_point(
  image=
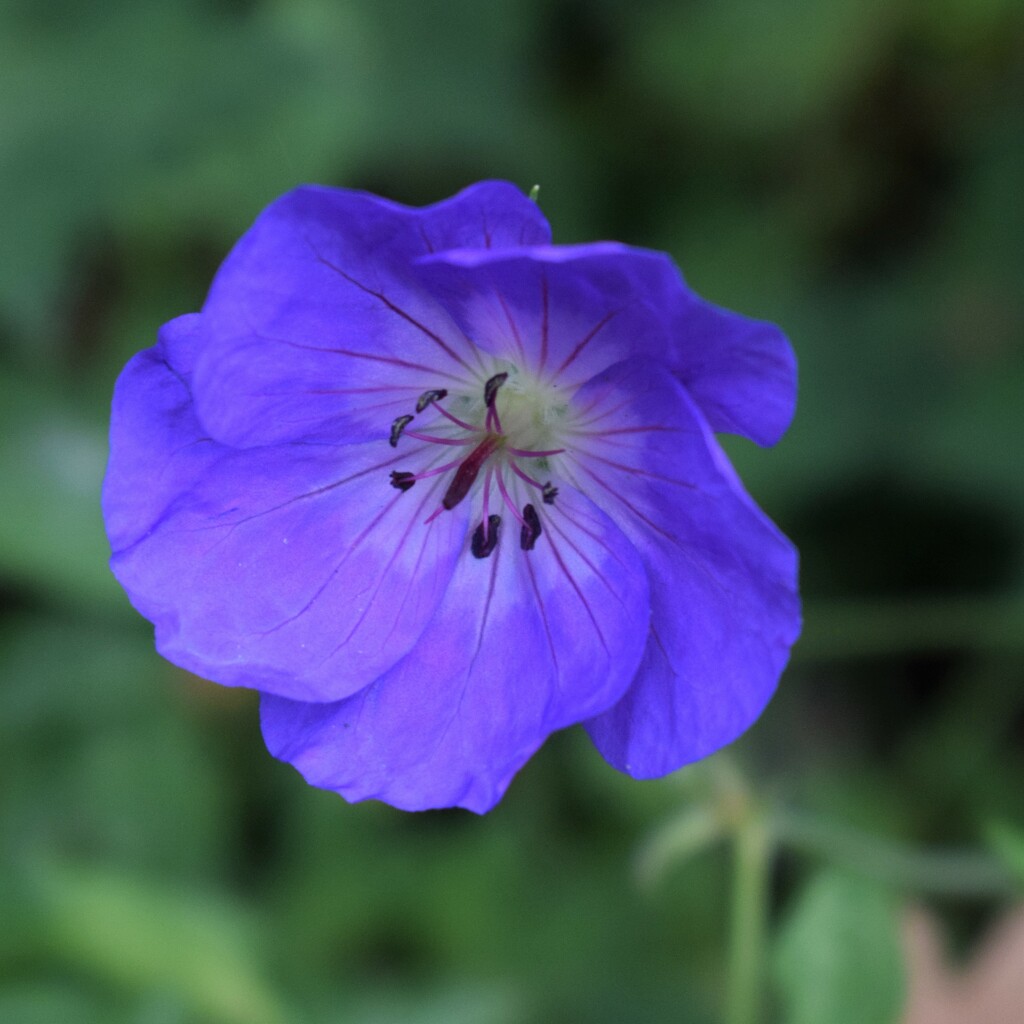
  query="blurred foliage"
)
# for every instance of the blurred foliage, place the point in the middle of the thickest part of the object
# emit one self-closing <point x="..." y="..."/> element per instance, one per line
<point x="853" y="978"/>
<point x="1008" y="842"/>
<point x="849" y="169"/>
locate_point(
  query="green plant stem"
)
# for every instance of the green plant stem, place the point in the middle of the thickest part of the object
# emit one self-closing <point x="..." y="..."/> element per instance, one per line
<point x="937" y="872"/>
<point x="752" y="859"/>
<point x="678" y="840"/>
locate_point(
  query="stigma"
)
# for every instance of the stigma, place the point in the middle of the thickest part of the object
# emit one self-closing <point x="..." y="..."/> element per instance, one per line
<point x="502" y="454"/>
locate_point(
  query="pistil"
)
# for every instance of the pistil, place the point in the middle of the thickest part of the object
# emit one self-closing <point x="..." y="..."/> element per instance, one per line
<point x="468" y="470"/>
<point x="487" y="440"/>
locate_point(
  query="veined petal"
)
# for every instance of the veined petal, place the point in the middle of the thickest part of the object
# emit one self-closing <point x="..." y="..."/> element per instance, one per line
<point x="740" y="372"/>
<point x="294" y="569"/>
<point x="301" y="476"/>
<point x="152" y="424"/>
<point x="316" y="326"/>
<point x="723" y="579"/>
<point x="563" y="312"/>
<point x="572" y="311"/>
<point x="523" y="643"/>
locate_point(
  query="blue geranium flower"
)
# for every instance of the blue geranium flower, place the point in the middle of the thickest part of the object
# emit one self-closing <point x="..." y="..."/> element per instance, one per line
<point x="437" y="488"/>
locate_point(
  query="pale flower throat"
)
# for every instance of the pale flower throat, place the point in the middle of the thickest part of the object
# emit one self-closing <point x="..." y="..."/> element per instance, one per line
<point x="525" y="430"/>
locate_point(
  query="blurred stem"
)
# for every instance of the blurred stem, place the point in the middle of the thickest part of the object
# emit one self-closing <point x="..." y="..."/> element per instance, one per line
<point x="727" y="806"/>
<point x="674" y="843"/>
<point x="752" y="851"/>
<point x="945" y="872"/>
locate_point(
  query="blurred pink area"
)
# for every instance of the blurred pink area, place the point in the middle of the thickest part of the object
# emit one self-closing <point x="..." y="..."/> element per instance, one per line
<point x="988" y="989"/>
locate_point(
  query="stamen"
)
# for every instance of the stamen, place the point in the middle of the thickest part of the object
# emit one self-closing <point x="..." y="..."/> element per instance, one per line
<point x="525" y="453"/>
<point x="491" y="388"/>
<point x="436" y="470"/>
<point x="548" y="491"/>
<point x="433" y="515"/>
<point x="455" y="419"/>
<point x="506" y="497"/>
<point x="530" y="530"/>
<point x="493" y="421"/>
<point x="397" y="426"/>
<point x="485" y="537"/>
<point x="468" y="470"/>
<point x="523" y="476"/>
<point x="488" y="477"/>
<point x="485" y="440"/>
<point x="429" y="397"/>
<point x="402" y="480"/>
<point x="455" y="441"/>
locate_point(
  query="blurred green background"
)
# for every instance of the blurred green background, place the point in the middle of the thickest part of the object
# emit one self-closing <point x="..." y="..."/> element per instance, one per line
<point x="852" y="169"/>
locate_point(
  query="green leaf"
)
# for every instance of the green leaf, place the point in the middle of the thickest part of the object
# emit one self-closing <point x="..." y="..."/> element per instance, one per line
<point x="838" y="955"/>
<point x="94" y="719"/>
<point x="155" y="114"/>
<point x="147" y="937"/>
<point x="37" y="1003"/>
<point x="1007" y="842"/>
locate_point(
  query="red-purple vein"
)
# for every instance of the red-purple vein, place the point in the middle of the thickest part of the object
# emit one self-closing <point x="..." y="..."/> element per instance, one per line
<point x="585" y="341"/>
<point x="543" y="615"/>
<point x="381" y="297"/>
<point x="579" y="593"/>
<point x="512" y="325"/>
<point x="552" y="525"/>
<point x="486" y="612"/>
<point x="371" y="356"/>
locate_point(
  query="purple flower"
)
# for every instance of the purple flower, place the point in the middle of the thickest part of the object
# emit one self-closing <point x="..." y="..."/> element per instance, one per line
<point x="437" y="488"/>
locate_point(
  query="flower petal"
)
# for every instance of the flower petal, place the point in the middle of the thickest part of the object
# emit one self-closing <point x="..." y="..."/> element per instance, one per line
<point x="741" y="372"/>
<point x="523" y="644"/>
<point x="564" y="312"/>
<point x="316" y="326"/>
<point x="574" y="310"/>
<point x="293" y="568"/>
<point x="151" y="423"/>
<point x="723" y="579"/>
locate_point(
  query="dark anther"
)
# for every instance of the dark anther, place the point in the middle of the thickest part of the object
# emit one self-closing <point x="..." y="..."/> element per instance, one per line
<point x="531" y="528"/>
<point x="549" y="493"/>
<point x="491" y="388"/>
<point x="429" y="397"/>
<point x="484" y="541"/>
<point x="402" y="480"/>
<point x="399" y="424"/>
